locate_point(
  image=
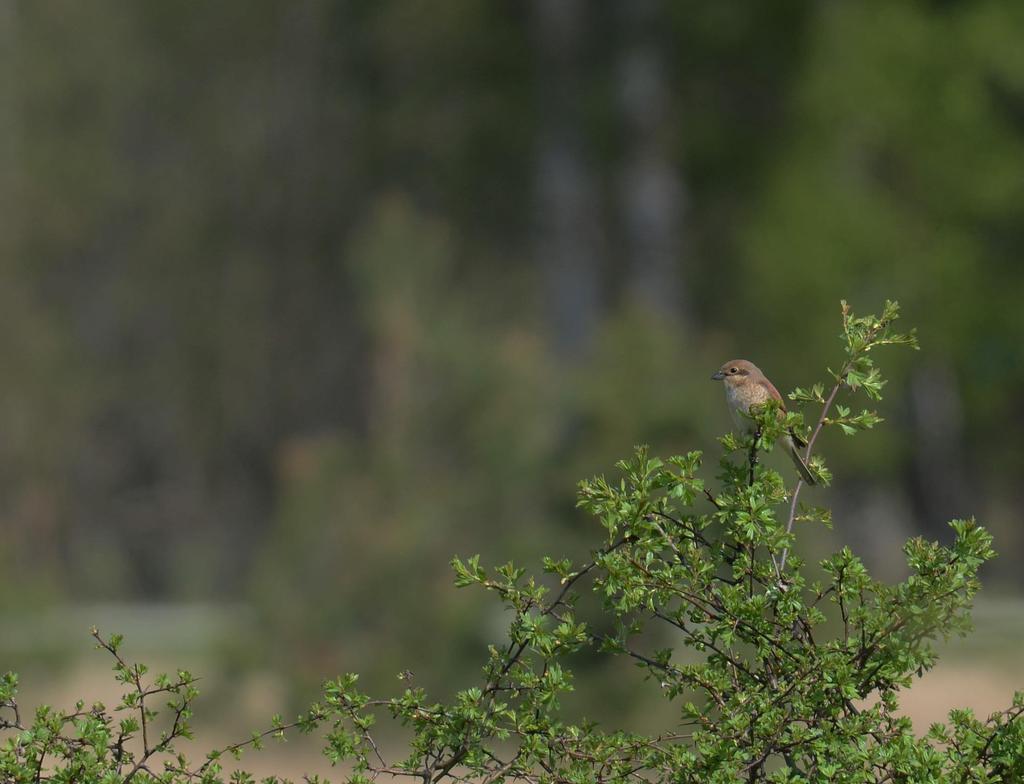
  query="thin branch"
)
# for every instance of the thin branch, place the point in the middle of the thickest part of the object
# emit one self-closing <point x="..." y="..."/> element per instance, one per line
<point x="503" y="770"/>
<point x="513" y="654"/>
<point x="16" y="724"/>
<point x="753" y="456"/>
<point x="1011" y="715"/>
<point x="807" y="457"/>
<point x="712" y="499"/>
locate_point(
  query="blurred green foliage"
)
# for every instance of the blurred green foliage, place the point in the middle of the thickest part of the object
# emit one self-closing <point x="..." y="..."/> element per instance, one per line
<point x="281" y="316"/>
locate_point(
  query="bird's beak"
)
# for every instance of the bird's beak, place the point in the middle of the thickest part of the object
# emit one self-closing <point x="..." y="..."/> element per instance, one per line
<point x="718" y="375"/>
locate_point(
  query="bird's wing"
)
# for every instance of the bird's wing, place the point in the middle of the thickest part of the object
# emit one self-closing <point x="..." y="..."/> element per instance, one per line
<point x="773" y="393"/>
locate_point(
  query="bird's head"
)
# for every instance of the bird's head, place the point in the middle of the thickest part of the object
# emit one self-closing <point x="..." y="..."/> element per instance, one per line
<point x="736" y="372"/>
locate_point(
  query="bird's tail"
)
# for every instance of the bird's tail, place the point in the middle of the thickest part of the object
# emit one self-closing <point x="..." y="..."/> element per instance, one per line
<point x="801" y="466"/>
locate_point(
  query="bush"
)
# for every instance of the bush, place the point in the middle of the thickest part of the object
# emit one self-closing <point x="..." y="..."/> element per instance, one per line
<point x="787" y="679"/>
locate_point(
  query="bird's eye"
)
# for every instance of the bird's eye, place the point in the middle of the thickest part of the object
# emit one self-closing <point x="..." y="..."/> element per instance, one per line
<point x="733" y="370"/>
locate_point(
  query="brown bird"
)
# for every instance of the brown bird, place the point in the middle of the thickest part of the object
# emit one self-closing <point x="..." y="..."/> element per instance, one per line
<point x="746" y="386"/>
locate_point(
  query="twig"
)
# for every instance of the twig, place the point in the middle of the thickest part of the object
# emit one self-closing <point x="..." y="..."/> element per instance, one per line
<point x="712" y="499"/>
<point x="136" y="678"/>
<point x="16" y="724"/>
<point x="512" y="655"/>
<point x="500" y="773"/>
<point x="753" y="455"/>
<point x="1011" y="716"/>
<point x="807" y="457"/>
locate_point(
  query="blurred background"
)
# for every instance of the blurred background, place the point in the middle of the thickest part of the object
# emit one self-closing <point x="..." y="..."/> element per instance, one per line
<point x="302" y="297"/>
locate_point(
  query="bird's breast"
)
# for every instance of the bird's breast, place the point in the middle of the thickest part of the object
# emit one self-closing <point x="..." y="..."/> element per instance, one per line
<point x="740" y="398"/>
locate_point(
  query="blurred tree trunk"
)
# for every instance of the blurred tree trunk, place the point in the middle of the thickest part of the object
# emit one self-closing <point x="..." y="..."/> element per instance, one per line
<point x="305" y="340"/>
<point x="651" y="192"/>
<point x="303" y="294"/>
<point x="9" y="124"/>
<point x="940" y="470"/>
<point x="568" y="236"/>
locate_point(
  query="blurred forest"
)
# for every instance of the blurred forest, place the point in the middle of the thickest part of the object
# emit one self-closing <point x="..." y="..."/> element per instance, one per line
<point x="302" y="297"/>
